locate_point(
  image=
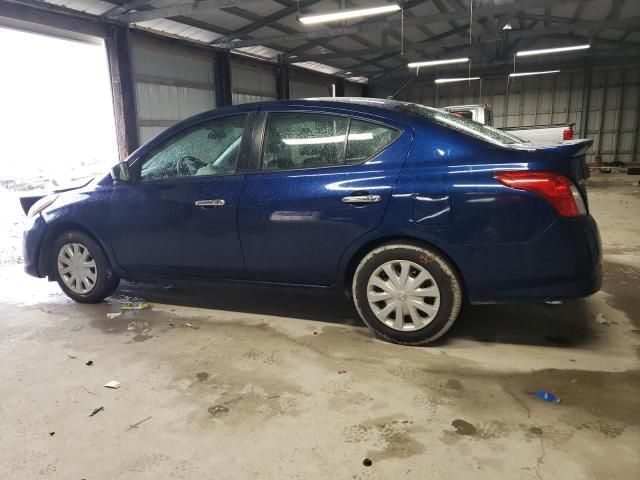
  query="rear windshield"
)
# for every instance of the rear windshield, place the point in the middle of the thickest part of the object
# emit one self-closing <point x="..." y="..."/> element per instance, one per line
<point x="465" y="125"/>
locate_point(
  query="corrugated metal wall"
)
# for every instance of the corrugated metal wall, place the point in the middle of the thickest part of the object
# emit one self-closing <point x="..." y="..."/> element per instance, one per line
<point x="172" y="83"/>
<point x="609" y="100"/>
<point x="305" y="85"/>
<point x="252" y="82"/>
<point x="352" y="89"/>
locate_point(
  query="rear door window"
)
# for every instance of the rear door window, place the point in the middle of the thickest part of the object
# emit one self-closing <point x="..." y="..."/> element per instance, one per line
<point x="309" y="140"/>
<point x="303" y="140"/>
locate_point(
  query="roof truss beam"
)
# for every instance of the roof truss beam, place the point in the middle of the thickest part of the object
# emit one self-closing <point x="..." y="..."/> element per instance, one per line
<point x="180" y="9"/>
<point x="377" y="25"/>
<point x="492" y="38"/>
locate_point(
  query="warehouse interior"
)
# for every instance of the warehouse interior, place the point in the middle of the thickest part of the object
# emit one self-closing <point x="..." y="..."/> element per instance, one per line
<point x="238" y="382"/>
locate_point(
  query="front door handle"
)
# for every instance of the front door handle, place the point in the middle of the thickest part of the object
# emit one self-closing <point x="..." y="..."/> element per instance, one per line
<point x="218" y="202"/>
<point x="362" y="199"/>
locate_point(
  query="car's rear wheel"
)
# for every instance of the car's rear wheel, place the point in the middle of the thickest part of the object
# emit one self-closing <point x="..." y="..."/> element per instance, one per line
<point x="81" y="268"/>
<point x="407" y="293"/>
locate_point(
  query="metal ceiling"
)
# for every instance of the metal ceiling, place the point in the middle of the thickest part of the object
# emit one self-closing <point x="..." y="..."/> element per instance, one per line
<point x="380" y="46"/>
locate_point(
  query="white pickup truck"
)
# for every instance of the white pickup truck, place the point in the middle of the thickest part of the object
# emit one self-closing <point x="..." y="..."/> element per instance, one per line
<point x="544" y="133"/>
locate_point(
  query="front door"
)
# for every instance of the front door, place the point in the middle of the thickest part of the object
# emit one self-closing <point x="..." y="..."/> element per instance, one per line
<point x="322" y="181"/>
<point x="178" y="217"/>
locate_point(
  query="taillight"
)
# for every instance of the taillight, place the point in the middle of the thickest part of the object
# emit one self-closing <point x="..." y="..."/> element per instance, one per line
<point x="567" y="134"/>
<point x="557" y="189"/>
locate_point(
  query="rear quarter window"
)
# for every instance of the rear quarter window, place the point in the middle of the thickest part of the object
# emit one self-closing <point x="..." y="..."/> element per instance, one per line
<point x="367" y="139"/>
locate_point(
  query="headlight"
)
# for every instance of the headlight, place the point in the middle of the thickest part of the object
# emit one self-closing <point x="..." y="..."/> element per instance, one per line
<point x="41" y="204"/>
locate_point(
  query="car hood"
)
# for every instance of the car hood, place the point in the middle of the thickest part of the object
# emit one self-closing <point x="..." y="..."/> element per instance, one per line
<point x="29" y="198"/>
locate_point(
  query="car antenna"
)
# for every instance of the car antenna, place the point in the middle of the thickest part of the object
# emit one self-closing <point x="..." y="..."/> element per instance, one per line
<point x="402" y="87"/>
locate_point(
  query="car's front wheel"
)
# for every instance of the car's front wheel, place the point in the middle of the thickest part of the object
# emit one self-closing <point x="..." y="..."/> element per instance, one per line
<point x="81" y="268"/>
<point x="407" y="293"/>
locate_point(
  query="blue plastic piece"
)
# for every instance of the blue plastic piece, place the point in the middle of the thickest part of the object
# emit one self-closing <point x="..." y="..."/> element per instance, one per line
<point x="547" y="396"/>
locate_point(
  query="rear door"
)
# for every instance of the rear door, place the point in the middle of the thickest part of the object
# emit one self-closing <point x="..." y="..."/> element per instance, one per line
<point x="320" y="181"/>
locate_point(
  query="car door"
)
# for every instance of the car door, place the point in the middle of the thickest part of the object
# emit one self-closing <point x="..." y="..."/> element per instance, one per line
<point x="321" y="181"/>
<point x="178" y="214"/>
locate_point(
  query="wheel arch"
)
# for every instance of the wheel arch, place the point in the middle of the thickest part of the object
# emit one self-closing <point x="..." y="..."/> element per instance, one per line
<point x="363" y="250"/>
<point x="54" y="231"/>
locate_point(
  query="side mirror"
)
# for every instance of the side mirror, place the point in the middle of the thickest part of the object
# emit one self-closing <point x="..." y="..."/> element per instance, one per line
<point x="120" y="172"/>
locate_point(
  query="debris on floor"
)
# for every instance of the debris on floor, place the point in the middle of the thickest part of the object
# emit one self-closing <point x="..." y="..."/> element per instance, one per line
<point x="113" y="315"/>
<point x="463" y="427"/>
<point x="51" y="434"/>
<point x="367" y="462"/>
<point x="88" y="363"/>
<point x="546" y="396"/>
<point x="96" y="410"/>
<point x="218" y="410"/>
<point x="135" y="425"/>
<point x="340" y="372"/>
<point x="135" y="306"/>
<point x="76" y="328"/>
<point x="113" y="384"/>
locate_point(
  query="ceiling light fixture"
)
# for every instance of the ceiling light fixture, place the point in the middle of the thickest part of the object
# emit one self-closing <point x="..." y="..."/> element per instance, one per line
<point x="526" y="74"/>
<point x="545" y="51"/>
<point x="433" y="63"/>
<point x="453" y="80"/>
<point x="347" y="14"/>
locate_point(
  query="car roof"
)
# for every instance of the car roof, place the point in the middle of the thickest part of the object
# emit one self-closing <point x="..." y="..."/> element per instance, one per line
<point x="374" y="106"/>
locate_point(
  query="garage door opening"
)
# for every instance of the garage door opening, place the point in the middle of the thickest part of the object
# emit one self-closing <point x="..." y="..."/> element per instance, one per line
<point x="57" y="115"/>
<point x="57" y="119"/>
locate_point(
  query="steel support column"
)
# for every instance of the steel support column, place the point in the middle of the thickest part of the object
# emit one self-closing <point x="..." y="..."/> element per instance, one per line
<point x="282" y="79"/>
<point x="118" y="45"/>
<point x="222" y="76"/>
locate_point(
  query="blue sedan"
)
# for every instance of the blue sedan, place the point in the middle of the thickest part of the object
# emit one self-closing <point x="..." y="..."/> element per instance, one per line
<point x="410" y="210"/>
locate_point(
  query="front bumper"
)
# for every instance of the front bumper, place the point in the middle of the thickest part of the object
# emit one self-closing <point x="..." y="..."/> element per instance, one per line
<point x="32" y="240"/>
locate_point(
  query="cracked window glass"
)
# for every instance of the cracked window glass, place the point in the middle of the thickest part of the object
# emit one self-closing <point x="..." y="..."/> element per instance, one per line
<point x="209" y="148"/>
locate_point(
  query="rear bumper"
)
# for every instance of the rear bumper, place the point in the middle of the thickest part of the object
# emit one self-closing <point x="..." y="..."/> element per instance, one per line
<point x="32" y="238"/>
<point x="564" y="262"/>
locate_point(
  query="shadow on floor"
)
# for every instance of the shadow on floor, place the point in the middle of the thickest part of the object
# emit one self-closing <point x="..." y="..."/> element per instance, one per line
<point x="566" y="325"/>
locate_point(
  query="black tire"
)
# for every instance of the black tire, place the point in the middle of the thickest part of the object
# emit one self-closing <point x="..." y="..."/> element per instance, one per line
<point x="442" y="273"/>
<point x="106" y="281"/>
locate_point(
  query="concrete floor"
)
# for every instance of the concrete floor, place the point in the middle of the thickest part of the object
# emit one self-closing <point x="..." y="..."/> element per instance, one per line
<point x="246" y="382"/>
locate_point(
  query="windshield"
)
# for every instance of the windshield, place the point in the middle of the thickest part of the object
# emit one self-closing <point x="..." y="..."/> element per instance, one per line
<point x="465" y="125"/>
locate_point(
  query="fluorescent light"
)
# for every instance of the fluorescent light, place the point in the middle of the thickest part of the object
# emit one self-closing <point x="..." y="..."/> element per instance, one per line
<point x="346" y="14"/>
<point x="526" y="74"/>
<point x="452" y="80"/>
<point x="544" y="51"/>
<point x="433" y="63"/>
<point x="326" y="140"/>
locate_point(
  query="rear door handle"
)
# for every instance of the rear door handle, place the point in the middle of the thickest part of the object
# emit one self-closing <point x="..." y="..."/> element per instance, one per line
<point x="362" y="199"/>
<point x="217" y="202"/>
